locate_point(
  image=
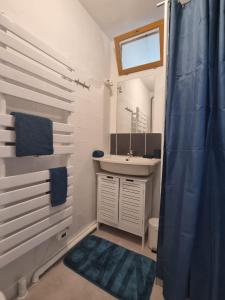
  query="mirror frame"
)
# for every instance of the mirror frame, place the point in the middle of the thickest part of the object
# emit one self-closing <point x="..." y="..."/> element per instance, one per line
<point x="117" y="40"/>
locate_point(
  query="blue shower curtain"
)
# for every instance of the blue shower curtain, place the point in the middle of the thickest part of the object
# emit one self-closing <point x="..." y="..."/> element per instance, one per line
<point x="191" y="246"/>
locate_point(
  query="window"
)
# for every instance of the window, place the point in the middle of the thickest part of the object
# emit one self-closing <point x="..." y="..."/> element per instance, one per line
<point x="140" y="49"/>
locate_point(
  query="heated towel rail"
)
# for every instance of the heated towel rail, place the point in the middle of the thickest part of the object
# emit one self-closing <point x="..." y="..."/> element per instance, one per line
<point x="26" y="216"/>
<point x="32" y="72"/>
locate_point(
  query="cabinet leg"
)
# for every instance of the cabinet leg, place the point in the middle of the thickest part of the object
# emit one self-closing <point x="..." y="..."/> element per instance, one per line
<point x="98" y="226"/>
<point x="143" y="242"/>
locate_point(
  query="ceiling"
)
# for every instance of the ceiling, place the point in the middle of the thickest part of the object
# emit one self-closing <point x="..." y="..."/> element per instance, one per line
<point x="116" y="17"/>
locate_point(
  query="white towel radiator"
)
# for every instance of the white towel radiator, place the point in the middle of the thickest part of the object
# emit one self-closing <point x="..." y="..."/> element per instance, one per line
<point x="31" y="71"/>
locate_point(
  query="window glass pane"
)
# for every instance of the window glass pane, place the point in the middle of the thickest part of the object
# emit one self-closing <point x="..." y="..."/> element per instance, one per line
<point x="141" y="50"/>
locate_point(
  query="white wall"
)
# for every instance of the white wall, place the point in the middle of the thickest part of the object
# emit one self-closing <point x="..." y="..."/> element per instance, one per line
<point x="66" y="26"/>
<point x="159" y="101"/>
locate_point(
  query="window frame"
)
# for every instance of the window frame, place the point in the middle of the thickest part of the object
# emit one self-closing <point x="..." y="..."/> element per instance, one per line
<point x="135" y="33"/>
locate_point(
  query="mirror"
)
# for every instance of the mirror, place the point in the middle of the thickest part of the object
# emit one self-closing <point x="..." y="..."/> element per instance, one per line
<point x="135" y="105"/>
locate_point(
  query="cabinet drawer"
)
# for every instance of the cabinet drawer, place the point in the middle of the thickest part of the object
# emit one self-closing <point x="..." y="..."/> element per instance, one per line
<point x="108" y="194"/>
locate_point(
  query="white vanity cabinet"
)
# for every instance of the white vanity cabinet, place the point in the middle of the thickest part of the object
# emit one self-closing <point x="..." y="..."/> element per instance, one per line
<point x="124" y="202"/>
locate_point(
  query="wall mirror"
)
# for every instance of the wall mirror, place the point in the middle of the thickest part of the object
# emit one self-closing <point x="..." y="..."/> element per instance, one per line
<point x="135" y="101"/>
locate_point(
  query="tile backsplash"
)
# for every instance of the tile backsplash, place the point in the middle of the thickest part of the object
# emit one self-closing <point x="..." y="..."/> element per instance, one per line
<point x="140" y="143"/>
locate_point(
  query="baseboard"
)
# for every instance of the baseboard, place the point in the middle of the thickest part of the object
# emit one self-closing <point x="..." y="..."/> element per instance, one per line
<point x="87" y="230"/>
<point x="70" y="244"/>
<point x="11" y="290"/>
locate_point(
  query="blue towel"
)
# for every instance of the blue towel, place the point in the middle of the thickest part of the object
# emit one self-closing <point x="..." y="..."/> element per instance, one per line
<point x="58" y="184"/>
<point x="34" y="135"/>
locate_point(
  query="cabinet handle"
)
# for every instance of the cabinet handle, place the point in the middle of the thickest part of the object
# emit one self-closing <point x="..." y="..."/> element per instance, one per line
<point x="130" y="180"/>
<point x="110" y="177"/>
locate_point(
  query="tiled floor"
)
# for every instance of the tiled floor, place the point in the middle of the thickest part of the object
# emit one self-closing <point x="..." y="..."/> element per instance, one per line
<point x="60" y="283"/>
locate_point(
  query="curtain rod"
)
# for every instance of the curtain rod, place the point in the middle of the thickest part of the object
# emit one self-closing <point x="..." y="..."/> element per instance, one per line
<point x="182" y="2"/>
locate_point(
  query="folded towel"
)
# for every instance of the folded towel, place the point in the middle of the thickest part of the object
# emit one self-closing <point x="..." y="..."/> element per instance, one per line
<point x="34" y="135"/>
<point x="58" y="184"/>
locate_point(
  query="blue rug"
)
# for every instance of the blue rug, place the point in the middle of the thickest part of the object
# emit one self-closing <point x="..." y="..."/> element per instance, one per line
<point x="122" y="273"/>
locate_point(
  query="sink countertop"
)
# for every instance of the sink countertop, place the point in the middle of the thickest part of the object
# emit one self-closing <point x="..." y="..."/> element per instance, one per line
<point x="134" y="160"/>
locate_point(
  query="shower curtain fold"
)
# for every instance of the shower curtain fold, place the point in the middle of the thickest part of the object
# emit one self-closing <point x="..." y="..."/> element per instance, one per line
<point x="191" y="247"/>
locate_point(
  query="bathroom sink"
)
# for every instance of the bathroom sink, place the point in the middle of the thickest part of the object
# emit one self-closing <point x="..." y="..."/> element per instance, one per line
<point x="134" y="166"/>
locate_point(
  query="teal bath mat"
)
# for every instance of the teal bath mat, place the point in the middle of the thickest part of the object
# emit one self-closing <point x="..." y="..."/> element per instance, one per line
<point x="122" y="273"/>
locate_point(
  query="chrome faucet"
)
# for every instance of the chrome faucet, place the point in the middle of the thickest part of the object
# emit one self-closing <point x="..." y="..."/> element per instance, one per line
<point x="130" y="153"/>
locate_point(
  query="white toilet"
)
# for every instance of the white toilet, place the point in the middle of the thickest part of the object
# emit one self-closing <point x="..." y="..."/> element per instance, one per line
<point x="2" y="297"/>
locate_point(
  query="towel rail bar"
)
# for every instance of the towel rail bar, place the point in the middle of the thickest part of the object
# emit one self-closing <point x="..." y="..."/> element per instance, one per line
<point x="9" y="136"/>
<point x="36" y="56"/>
<point x="8" y="228"/>
<point x="16" y="252"/>
<point x="24" y="64"/>
<point x="32" y="40"/>
<point x="19" y="237"/>
<point x="10" y="151"/>
<point x="23" y="78"/>
<point x="26" y="215"/>
<point x="24" y="93"/>
<point x="28" y="192"/>
<point x="8" y="121"/>
<point x="25" y="207"/>
<point x="28" y="178"/>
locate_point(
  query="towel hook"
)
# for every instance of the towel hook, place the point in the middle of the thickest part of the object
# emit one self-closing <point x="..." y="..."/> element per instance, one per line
<point x="83" y="84"/>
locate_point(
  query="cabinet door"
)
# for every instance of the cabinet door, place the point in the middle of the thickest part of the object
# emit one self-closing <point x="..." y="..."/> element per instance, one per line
<point x="131" y="203"/>
<point x="108" y="197"/>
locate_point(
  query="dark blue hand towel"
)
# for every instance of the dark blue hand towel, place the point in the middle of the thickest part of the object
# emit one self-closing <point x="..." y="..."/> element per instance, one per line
<point x="34" y="135"/>
<point x="58" y="184"/>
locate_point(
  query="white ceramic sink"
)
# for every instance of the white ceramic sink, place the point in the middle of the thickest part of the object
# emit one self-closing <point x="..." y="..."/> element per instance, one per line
<point x="134" y="166"/>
